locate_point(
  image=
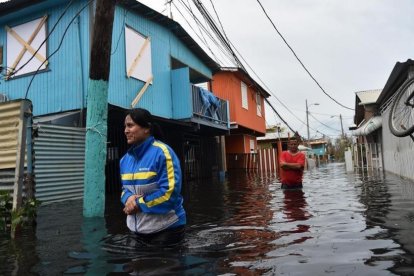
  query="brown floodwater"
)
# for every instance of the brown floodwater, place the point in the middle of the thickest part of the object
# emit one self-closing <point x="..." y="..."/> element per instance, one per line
<point x="339" y="224"/>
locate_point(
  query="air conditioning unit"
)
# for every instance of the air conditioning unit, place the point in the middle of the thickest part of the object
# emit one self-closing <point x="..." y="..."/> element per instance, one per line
<point x="3" y="98"/>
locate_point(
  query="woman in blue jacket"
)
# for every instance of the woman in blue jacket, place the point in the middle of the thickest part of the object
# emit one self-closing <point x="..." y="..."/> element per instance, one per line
<point x="151" y="182"/>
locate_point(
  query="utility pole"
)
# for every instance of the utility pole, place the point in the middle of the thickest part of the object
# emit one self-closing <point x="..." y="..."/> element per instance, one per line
<point x="97" y="110"/>
<point x="342" y="127"/>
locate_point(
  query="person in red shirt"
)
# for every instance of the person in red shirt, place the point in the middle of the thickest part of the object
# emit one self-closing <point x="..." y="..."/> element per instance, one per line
<point x="292" y="163"/>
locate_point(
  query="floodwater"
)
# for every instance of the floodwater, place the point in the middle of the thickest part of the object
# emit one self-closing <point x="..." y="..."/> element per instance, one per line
<point x="340" y="224"/>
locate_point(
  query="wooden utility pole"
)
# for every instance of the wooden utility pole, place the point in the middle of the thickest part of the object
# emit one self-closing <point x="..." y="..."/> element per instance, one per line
<point x="342" y="126"/>
<point x="97" y="110"/>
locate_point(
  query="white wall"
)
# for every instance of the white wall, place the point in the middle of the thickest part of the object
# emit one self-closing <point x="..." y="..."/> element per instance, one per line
<point x="398" y="151"/>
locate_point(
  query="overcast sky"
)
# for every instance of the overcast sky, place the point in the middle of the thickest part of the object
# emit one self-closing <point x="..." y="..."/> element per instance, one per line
<point x="348" y="46"/>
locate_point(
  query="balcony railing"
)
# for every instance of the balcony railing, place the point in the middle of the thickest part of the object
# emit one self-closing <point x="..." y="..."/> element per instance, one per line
<point x="209" y="107"/>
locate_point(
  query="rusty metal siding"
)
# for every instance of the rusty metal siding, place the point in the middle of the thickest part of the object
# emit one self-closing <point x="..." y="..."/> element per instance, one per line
<point x="398" y="152"/>
<point x="59" y="154"/>
<point x="9" y="129"/>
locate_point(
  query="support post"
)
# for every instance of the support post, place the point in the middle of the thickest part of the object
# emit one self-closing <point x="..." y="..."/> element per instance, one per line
<point x="21" y="153"/>
<point x="97" y="110"/>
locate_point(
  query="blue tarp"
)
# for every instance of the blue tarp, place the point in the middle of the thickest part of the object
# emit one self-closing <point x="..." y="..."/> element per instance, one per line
<point x="210" y="102"/>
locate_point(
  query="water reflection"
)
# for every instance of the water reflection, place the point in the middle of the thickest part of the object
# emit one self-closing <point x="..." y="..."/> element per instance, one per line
<point x="339" y="224"/>
<point x="295" y="210"/>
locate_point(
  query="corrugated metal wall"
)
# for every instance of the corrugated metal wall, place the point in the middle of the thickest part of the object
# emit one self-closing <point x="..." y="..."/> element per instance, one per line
<point x="62" y="87"/>
<point x="9" y="129"/>
<point x="59" y="154"/>
<point x="164" y="45"/>
<point x="398" y="152"/>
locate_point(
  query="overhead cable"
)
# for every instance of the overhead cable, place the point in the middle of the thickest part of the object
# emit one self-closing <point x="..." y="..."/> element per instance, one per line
<point x="298" y="59"/>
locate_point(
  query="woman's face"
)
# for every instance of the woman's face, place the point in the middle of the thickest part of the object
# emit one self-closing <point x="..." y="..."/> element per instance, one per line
<point x="135" y="134"/>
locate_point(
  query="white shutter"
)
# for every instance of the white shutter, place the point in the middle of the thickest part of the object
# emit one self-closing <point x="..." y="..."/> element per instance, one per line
<point x="244" y="95"/>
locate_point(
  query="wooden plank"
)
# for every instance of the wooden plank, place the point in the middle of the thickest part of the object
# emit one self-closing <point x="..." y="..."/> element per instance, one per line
<point x="29" y="41"/>
<point x="138" y="57"/>
<point x="20" y="154"/>
<point x="141" y="92"/>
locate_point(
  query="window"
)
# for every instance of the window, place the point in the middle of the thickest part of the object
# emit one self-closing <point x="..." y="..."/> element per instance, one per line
<point x="244" y="95"/>
<point x="259" y="104"/>
<point x="25" y="52"/>
<point x="138" y="55"/>
<point x="252" y="146"/>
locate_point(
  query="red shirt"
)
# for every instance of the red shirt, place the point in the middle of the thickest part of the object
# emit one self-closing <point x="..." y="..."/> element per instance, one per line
<point x="289" y="176"/>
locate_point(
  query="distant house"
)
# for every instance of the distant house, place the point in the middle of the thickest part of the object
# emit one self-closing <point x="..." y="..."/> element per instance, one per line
<point x="247" y="113"/>
<point x="155" y="64"/>
<point x="398" y="152"/>
<point x="368" y="137"/>
<point x="273" y="136"/>
<point x="318" y="149"/>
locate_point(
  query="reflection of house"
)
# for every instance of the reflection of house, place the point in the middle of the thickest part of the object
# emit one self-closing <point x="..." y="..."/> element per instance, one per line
<point x="247" y="114"/>
<point x="398" y="152"/>
<point x="367" y="146"/>
<point x="155" y="65"/>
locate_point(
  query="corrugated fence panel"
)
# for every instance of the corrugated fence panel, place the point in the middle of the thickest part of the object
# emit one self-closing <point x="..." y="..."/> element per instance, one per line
<point x="9" y="129"/>
<point x="59" y="154"/>
<point x="398" y="152"/>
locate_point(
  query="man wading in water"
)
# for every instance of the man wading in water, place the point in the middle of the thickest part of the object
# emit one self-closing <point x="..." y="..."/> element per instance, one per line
<point x="292" y="163"/>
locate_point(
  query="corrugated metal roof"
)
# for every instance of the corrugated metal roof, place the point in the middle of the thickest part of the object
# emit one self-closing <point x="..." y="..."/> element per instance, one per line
<point x="368" y="96"/>
<point x="276" y="135"/>
<point x="397" y="77"/>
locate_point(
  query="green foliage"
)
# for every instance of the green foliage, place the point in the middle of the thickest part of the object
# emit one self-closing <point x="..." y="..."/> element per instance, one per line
<point x="16" y="218"/>
<point x="6" y="204"/>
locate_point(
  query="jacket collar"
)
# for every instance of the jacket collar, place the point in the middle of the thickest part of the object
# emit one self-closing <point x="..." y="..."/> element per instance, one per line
<point x="138" y="150"/>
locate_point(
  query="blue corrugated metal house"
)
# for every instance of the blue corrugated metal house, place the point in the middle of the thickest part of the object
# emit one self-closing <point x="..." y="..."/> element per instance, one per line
<point x="155" y="64"/>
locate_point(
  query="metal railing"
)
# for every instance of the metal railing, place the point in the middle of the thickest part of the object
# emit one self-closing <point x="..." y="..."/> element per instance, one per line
<point x="217" y="114"/>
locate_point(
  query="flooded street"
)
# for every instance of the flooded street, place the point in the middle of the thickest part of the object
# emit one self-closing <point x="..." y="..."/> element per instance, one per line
<point x="340" y="224"/>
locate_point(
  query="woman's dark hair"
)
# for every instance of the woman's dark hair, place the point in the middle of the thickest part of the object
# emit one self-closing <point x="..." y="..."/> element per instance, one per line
<point x="143" y="118"/>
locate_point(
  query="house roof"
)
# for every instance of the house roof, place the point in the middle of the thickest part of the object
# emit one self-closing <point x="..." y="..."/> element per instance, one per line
<point x="243" y="74"/>
<point x="150" y="14"/>
<point x="368" y="96"/>
<point x="284" y="134"/>
<point x="398" y="75"/>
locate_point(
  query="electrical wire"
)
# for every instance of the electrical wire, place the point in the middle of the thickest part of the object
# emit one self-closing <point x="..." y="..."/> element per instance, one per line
<point x="197" y="21"/>
<point x="298" y="59"/>
<point x="310" y="114"/>
<point x="14" y="72"/>
<point x="58" y="48"/>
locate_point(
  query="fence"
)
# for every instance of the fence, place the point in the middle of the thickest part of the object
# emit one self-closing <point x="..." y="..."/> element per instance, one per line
<point x="367" y="156"/>
<point x="262" y="160"/>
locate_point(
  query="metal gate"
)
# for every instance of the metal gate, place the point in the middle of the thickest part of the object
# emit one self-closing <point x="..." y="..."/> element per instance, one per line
<point x="59" y="154"/>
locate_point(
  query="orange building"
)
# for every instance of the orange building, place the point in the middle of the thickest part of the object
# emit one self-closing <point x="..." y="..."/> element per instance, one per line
<point x="247" y="115"/>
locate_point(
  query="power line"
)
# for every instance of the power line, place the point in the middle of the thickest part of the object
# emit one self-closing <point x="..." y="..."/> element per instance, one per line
<point x="298" y="59"/>
<point x="229" y="46"/>
<point x="14" y="72"/>
<point x="58" y="48"/>
<point x="196" y="20"/>
<point x="323" y="123"/>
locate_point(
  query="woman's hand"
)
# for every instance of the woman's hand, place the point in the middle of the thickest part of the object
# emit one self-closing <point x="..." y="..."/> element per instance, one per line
<point x="131" y="206"/>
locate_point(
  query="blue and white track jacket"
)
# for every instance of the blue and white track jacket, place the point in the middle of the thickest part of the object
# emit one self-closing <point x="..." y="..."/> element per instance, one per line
<point x="153" y="170"/>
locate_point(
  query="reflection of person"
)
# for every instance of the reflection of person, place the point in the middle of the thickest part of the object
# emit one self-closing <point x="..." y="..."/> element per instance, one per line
<point x="151" y="182"/>
<point x="292" y="163"/>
